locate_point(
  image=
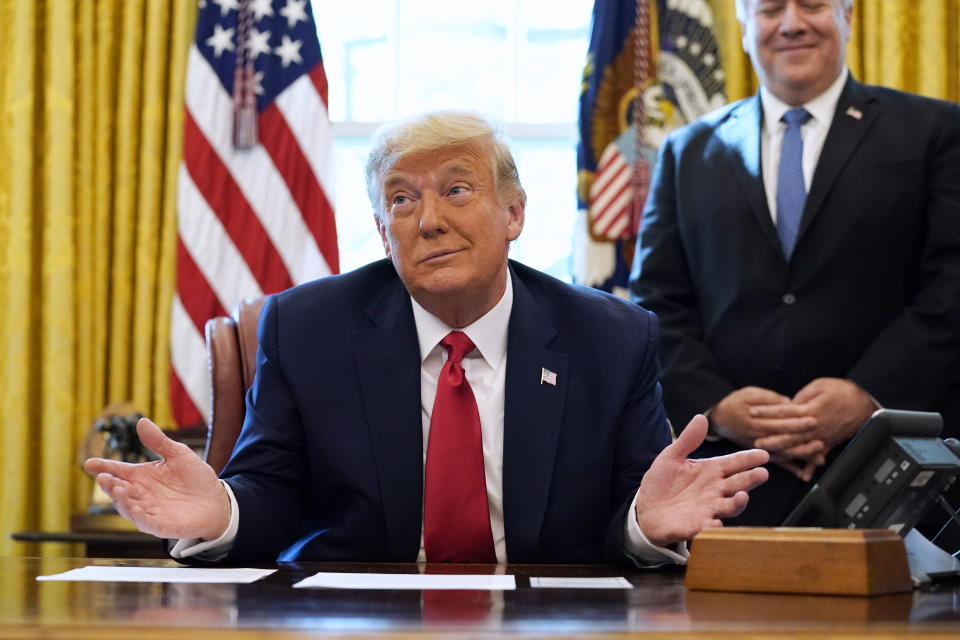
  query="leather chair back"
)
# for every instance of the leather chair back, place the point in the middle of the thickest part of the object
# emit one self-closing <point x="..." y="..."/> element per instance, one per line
<point x="232" y="361"/>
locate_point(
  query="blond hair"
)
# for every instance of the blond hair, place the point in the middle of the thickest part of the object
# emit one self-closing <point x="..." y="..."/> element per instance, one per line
<point x="434" y="131"/>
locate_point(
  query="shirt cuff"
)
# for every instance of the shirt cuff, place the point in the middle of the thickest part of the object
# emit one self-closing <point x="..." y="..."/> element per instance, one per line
<point x="211" y="550"/>
<point x="645" y="552"/>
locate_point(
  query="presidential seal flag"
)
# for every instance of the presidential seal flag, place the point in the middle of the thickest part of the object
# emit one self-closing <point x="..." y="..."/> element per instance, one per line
<point x="254" y="210"/>
<point x="653" y="65"/>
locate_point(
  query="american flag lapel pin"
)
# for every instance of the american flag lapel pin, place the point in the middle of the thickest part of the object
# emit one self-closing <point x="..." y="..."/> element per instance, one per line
<point x="854" y="113"/>
<point x="550" y="377"/>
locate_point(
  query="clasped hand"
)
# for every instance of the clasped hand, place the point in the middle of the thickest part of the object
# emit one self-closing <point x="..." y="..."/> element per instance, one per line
<point x="176" y="497"/>
<point x="798" y="431"/>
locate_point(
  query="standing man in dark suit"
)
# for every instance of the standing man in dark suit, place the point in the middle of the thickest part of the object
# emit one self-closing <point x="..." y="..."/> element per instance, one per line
<point x="801" y="249"/>
<point x="445" y="404"/>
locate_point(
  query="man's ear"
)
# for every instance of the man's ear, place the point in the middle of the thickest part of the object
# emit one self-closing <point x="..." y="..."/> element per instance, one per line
<point x="743" y="26"/>
<point x="515" y="211"/>
<point x="847" y="27"/>
<point x="382" y="230"/>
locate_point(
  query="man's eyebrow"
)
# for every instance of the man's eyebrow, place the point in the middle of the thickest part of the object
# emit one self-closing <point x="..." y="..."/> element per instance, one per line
<point x="395" y="180"/>
<point x="459" y="169"/>
<point x="454" y="169"/>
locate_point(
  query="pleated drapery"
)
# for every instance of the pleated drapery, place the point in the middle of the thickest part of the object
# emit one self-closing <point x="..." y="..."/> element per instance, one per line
<point x="91" y="106"/>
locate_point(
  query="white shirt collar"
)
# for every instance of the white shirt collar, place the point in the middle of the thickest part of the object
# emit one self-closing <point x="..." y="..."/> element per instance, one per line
<point x="488" y="332"/>
<point x="821" y="108"/>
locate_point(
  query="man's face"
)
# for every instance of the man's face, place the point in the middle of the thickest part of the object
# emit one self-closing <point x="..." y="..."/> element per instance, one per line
<point x="446" y="229"/>
<point x="797" y="46"/>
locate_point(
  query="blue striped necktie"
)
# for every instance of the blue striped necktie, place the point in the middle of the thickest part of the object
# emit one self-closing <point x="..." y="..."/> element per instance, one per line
<point x="791" y="191"/>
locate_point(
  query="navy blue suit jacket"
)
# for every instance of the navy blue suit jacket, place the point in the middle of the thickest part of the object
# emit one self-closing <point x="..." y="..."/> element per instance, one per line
<point x="329" y="464"/>
<point x="871" y="292"/>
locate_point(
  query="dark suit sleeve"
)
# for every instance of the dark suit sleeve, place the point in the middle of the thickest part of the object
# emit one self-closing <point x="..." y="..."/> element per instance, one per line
<point x="915" y="356"/>
<point x="642" y="434"/>
<point x="661" y="282"/>
<point x="268" y="466"/>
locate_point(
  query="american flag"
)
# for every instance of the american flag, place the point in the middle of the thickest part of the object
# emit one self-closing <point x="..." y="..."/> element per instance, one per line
<point x="612" y="214"/>
<point x="688" y="83"/>
<point x="255" y="211"/>
<point x="550" y="377"/>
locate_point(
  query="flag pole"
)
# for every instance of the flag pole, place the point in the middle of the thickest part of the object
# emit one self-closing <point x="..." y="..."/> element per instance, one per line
<point x="641" y="75"/>
<point x="244" y="97"/>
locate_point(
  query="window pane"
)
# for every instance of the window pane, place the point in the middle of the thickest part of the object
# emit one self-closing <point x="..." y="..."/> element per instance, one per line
<point x="551" y="54"/>
<point x="548" y="171"/>
<point x="357" y="236"/>
<point x="454" y="55"/>
<point x="368" y="94"/>
<point x="356" y="41"/>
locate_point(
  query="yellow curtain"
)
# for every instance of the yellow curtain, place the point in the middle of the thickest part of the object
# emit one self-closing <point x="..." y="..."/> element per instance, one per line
<point x="911" y="45"/>
<point x="91" y="105"/>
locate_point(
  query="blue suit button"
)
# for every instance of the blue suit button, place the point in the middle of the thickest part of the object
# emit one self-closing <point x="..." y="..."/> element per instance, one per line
<point x="788" y="299"/>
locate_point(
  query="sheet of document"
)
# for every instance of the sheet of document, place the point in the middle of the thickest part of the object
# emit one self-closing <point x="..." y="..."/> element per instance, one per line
<point x="406" y="581"/>
<point x="580" y="583"/>
<point x="160" y="574"/>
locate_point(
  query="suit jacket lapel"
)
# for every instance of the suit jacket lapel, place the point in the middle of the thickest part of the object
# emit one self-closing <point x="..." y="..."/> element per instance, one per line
<point x="846" y="132"/>
<point x="388" y="358"/>
<point x="741" y="136"/>
<point x="533" y="411"/>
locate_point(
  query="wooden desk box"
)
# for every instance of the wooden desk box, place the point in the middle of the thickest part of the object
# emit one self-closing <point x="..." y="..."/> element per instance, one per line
<point x="799" y="560"/>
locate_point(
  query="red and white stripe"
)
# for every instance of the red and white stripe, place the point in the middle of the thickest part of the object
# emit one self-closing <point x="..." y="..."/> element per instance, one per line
<point x="611" y="196"/>
<point x="250" y="222"/>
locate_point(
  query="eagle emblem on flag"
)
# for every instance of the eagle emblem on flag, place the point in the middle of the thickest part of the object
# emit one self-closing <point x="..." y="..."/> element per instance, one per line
<point x="679" y="79"/>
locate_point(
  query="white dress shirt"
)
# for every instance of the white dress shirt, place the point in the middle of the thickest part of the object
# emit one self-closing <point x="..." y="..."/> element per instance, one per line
<point x="813" y="132"/>
<point x="485" y="368"/>
<point x="486" y="371"/>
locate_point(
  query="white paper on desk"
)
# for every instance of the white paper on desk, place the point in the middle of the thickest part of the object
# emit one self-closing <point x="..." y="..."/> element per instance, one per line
<point x="160" y="574"/>
<point x="580" y="583"/>
<point x="407" y="581"/>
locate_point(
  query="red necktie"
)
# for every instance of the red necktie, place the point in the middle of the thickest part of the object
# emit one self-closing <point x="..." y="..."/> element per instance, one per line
<point x="456" y="519"/>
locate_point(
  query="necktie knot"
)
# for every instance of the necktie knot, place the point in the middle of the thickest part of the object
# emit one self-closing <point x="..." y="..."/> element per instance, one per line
<point x="796" y="117"/>
<point x="457" y="345"/>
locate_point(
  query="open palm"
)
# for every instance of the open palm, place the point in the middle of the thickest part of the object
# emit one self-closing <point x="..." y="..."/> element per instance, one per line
<point x="680" y="497"/>
<point x="176" y="497"/>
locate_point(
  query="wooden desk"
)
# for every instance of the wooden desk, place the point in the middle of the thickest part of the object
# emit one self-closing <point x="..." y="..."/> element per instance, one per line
<point x="657" y="606"/>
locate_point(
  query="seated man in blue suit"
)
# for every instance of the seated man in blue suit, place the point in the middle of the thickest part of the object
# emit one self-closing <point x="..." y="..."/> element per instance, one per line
<point x="444" y="404"/>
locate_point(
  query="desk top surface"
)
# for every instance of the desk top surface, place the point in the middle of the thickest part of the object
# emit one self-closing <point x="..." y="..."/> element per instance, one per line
<point x="658" y="604"/>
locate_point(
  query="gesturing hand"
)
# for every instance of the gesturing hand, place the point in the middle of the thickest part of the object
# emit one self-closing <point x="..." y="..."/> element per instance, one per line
<point x="176" y="497"/>
<point x="679" y="497"/>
